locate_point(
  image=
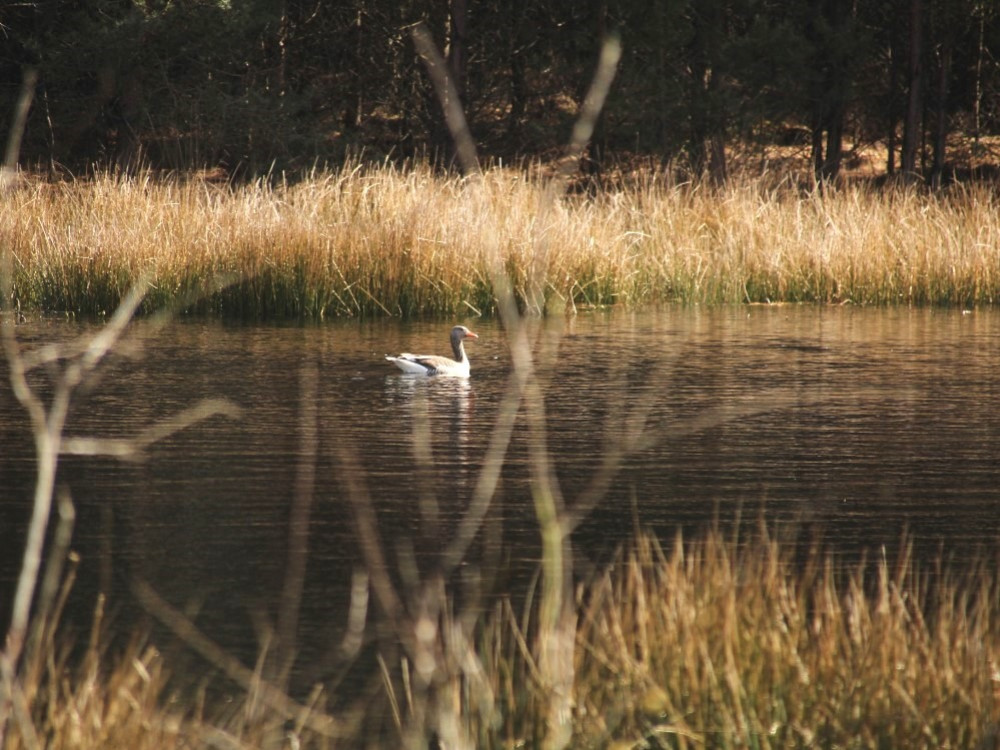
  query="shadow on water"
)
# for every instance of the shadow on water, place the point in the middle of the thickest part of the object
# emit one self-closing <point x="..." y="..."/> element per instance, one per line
<point x="846" y="424"/>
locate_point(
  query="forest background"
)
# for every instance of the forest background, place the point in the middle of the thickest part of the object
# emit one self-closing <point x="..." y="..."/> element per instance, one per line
<point x="718" y="88"/>
<point x="711" y="87"/>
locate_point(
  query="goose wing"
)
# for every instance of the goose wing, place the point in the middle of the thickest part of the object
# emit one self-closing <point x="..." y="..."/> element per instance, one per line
<point x="420" y="364"/>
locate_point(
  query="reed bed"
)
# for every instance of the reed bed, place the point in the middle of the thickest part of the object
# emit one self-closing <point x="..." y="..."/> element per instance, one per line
<point x="714" y="644"/>
<point x="721" y="645"/>
<point x="412" y="242"/>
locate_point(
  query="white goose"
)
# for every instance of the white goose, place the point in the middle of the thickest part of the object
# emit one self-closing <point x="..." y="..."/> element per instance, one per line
<point x="429" y="364"/>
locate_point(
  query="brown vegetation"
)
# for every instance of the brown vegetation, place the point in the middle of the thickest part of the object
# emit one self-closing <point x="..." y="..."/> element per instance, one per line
<point x="389" y="242"/>
<point x="713" y="643"/>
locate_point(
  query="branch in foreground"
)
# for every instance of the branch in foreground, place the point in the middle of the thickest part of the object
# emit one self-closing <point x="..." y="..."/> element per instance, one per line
<point x="243" y="676"/>
<point x="135" y="447"/>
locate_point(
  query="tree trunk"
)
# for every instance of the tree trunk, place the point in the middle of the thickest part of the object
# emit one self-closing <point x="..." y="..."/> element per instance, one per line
<point x="518" y="87"/>
<point x="707" y="133"/>
<point x="717" y="168"/>
<point x="456" y="62"/>
<point x="893" y="120"/>
<point x="284" y="27"/>
<point x="941" y="115"/>
<point x="912" y="124"/>
<point x="832" y="75"/>
<point x="834" y="142"/>
<point x="816" y="141"/>
<point x="698" y="132"/>
<point x="978" y="87"/>
<point x="828" y="118"/>
<point x="457" y="45"/>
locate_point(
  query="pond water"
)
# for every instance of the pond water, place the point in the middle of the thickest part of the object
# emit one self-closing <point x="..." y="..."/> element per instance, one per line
<point x="852" y="423"/>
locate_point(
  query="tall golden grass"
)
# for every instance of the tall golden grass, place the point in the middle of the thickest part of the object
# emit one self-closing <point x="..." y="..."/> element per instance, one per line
<point x="723" y="645"/>
<point x="713" y="644"/>
<point x="389" y="241"/>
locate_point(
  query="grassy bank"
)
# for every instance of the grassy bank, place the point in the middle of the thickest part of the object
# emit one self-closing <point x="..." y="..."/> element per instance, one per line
<point x="379" y="241"/>
<point x="709" y="645"/>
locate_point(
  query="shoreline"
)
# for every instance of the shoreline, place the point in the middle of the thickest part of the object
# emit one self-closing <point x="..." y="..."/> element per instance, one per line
<point x="379" y="241"/>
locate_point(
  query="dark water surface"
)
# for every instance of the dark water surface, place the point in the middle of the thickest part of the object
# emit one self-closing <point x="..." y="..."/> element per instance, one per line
<point x="857" y="422"/>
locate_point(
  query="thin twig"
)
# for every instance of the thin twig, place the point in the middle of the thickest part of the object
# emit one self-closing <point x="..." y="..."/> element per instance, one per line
<point x="17" y="126"/>
<point x="246" y="678"/>
<point x="134" y="447"/>
<point x="58" y="556"/>
<point x="451" y="102"/>
<point x="556" y="617"/>
<point x="298" y="527"/>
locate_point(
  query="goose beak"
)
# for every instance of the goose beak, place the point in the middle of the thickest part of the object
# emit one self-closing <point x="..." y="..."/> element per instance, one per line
<point x="471" y="335"/>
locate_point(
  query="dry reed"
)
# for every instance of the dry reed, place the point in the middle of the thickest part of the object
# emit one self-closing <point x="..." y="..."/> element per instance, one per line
<point x="714" y="644"/>
<point x="722" y="645"/>
<point x="386" y="241"/>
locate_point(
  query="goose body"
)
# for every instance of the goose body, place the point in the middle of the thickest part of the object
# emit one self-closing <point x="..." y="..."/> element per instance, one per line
<point x="430" y="364"/>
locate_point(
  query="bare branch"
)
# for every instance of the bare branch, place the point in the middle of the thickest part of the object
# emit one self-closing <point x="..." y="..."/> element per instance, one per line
<point x="132" y="448"/>
<point x="246" y="678"/>
<point x="298" y="529"/>
<point x="368" y="537"/>
<point x="8" y="172"/>
<point x="593" y="103"/>
<point x="60" y="552"/>
<point x="451" y="102"/>
<point x="106" y="338"/>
